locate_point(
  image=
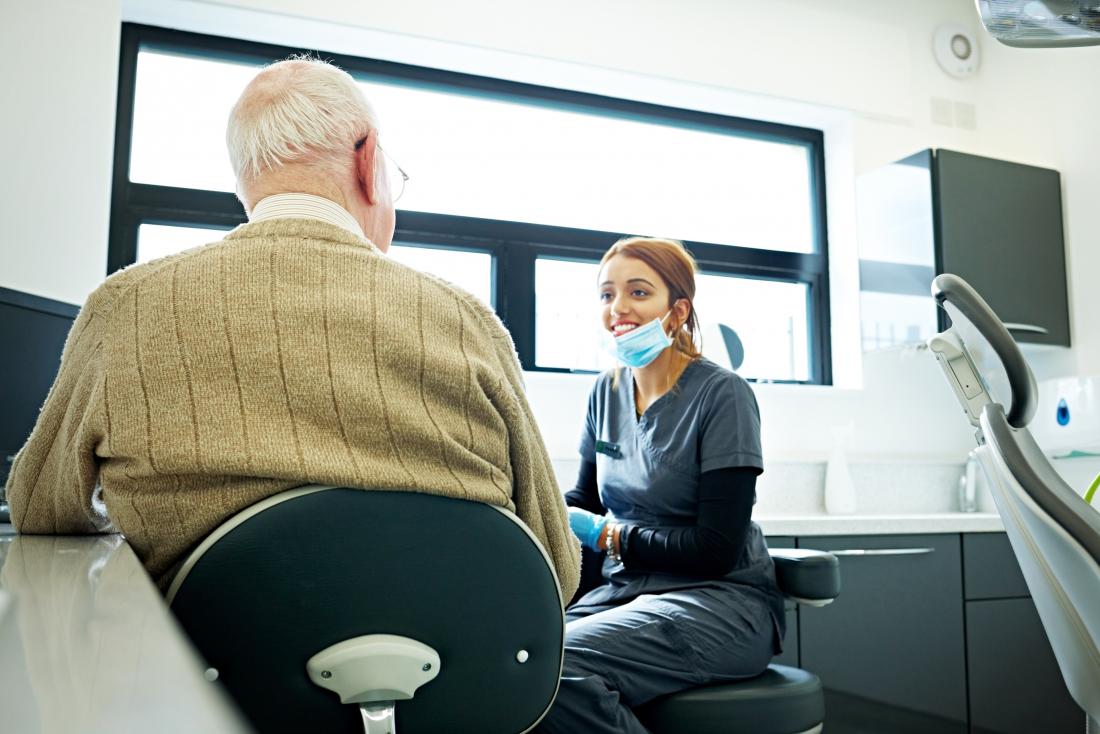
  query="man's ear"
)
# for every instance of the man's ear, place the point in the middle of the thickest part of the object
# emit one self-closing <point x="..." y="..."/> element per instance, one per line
<point x="365" y="157"/>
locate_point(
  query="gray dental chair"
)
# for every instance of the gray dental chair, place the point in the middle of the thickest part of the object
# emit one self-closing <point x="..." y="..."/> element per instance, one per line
<point x="1054" y="533"/>
<point x="338" y="610"/>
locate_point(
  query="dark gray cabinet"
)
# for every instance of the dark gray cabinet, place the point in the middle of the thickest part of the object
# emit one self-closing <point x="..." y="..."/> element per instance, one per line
<point x="990" y="570"/>
<point x="890" y="650"/>
<point x="1015" y="686"/>
<point x="789" y="656"/>
<point x="999" y="226"/>
<point x="931" y="634"/>
<point x="995" y="223"/>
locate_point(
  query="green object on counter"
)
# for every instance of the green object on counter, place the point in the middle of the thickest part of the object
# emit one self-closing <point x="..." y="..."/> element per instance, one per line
<point x="1092" y="489"/>
<point x="1076" y="454"/>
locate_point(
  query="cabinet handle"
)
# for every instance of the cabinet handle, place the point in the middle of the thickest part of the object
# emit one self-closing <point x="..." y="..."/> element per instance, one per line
<point x="1032" y="328"/>
<point x="883" y="552"/>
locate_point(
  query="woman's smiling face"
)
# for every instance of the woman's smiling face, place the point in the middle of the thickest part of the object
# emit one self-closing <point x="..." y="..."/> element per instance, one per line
<point x="631" y="294"/>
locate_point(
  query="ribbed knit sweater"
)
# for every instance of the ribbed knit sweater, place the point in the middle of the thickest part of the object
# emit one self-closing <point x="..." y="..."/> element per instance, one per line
<point x="292" y="352"/>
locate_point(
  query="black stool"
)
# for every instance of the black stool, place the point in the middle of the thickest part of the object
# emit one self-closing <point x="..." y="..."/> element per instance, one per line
<point x="783" y="700"/>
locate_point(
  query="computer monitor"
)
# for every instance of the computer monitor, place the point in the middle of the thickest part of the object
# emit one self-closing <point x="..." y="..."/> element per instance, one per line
<point x="32" y="334"/>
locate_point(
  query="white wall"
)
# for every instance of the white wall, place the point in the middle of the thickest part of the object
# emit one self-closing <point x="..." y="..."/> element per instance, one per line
<point x="57" y="96"/>
<point x="865" y="65"/>
<point x="1073" y="130"/>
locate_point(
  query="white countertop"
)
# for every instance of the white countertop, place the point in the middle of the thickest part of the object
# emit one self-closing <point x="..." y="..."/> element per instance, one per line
<point x="907" y="524"/>
<point x="88" y="645"/>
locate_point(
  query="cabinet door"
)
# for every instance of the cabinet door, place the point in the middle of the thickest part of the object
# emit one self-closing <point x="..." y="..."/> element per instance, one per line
<point x="890" y="649"/>
<point x="789" y="656"/>
<point x="990" y="570"/>
<point x="1015" y="684"/>
<point x="999" y="226"/>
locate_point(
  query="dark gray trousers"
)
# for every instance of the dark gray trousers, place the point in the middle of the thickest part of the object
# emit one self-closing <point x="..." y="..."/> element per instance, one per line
<point x="618" y="657"/>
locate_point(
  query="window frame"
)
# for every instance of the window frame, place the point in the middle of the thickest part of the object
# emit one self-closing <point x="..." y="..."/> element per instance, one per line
<point x="514" y="246"/>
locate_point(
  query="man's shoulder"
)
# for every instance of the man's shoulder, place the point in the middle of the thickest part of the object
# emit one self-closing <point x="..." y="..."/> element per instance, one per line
<point x="446" y="294"/>
<point x="121" y="283"/>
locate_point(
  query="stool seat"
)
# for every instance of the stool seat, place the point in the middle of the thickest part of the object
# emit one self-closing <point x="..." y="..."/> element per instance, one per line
<point x="782" y="700"/>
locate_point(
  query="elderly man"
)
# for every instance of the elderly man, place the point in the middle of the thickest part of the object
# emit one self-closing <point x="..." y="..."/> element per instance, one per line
<point x="291" y="352"/>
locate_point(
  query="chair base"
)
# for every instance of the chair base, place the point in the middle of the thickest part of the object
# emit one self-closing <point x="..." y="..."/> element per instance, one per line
<point x="782" y="700"/>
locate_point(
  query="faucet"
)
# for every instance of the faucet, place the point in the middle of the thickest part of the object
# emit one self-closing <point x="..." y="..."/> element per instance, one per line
<point x="968" y="485"/>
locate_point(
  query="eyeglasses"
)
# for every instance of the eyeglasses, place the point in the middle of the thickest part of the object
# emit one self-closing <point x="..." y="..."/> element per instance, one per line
<point x="395" y="173"/>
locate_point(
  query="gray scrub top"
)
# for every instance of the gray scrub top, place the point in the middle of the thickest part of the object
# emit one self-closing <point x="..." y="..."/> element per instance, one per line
<point x="648" y="469"/>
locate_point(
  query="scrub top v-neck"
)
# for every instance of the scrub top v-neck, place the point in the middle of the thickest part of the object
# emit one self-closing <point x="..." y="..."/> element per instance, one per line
<point x="648" y="469"/>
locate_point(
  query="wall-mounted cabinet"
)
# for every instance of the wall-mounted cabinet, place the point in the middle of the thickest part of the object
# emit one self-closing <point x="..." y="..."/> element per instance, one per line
<point x="995" y="223"/>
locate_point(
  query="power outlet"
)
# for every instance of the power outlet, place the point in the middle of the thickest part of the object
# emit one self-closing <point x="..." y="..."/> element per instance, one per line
<point x="943" y="111"/>
<point x="965" y="116"/>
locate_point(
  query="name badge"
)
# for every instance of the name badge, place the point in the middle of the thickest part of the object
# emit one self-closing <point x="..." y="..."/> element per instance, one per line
<point x="610" y="449"/>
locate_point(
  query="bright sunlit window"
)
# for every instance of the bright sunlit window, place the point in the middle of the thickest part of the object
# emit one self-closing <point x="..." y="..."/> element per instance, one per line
<point x="514" y="191"/>
<point x="471" y="271"/>
<point x="592" y="170"/>
<point x="769" y="319"/>
<point x="181" y="106"/>
<point x="160" y="240"/>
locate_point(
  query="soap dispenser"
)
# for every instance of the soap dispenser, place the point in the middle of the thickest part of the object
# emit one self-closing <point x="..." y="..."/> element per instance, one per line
<point x="840" y="493"/>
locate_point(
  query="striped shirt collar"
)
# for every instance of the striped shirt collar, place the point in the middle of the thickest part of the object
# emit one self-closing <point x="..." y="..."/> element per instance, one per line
<point x="305" y="206"/>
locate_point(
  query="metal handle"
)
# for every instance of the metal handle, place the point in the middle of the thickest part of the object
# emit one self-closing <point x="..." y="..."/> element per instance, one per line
<point x="1031" y="328"/>
<point x="883" y="552"/>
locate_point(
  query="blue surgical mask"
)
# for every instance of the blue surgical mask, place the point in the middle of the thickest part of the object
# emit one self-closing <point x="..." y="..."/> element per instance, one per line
<point x="641" y="346"/>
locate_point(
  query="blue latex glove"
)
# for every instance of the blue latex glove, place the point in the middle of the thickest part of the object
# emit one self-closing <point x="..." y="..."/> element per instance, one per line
<point x="587" y="526"/>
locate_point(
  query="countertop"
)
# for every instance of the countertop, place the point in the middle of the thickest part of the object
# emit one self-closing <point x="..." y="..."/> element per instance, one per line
<point x="88" y="645"/>
<point x="899" y="524"/>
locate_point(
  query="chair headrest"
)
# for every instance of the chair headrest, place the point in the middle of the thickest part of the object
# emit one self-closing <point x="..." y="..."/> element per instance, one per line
<point x="316" y="568"/>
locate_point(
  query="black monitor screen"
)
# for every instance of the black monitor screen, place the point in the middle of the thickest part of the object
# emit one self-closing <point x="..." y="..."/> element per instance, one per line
<point x="32" y="335"/>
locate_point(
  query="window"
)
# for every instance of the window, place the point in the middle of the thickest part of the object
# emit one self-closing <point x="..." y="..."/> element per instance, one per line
<point x="469" y="270"/>
<point x="160" y="240"/>
<point x="767" y="317"/>
<point x="515" y="193"/>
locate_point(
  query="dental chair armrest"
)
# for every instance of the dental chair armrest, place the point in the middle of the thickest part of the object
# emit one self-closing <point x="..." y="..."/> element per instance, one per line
<point x="807" y="576"/>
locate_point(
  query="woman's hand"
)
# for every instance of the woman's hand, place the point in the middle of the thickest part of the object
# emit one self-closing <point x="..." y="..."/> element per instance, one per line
<point x="588" y="526"/>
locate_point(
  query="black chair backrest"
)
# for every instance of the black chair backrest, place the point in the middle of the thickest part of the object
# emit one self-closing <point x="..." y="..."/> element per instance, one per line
<point x="307" y="569"/>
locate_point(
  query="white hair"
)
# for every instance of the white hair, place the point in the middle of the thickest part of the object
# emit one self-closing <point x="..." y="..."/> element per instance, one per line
<point x="297" y="110"/>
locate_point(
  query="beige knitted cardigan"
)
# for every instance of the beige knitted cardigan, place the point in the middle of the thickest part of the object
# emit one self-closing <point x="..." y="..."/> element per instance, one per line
<point x="292" y="352"/>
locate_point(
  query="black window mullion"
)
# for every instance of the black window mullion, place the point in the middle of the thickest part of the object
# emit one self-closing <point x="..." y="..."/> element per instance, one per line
<point x="170" y="204"/>
<point x="516" y="291"/>
<point x="821" y="371"/>
<point x="820" y="315"/>
<point x="122" y="236"/>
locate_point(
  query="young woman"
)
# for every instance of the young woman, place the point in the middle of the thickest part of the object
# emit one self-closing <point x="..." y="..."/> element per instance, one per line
<point x="670" y="455"/>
